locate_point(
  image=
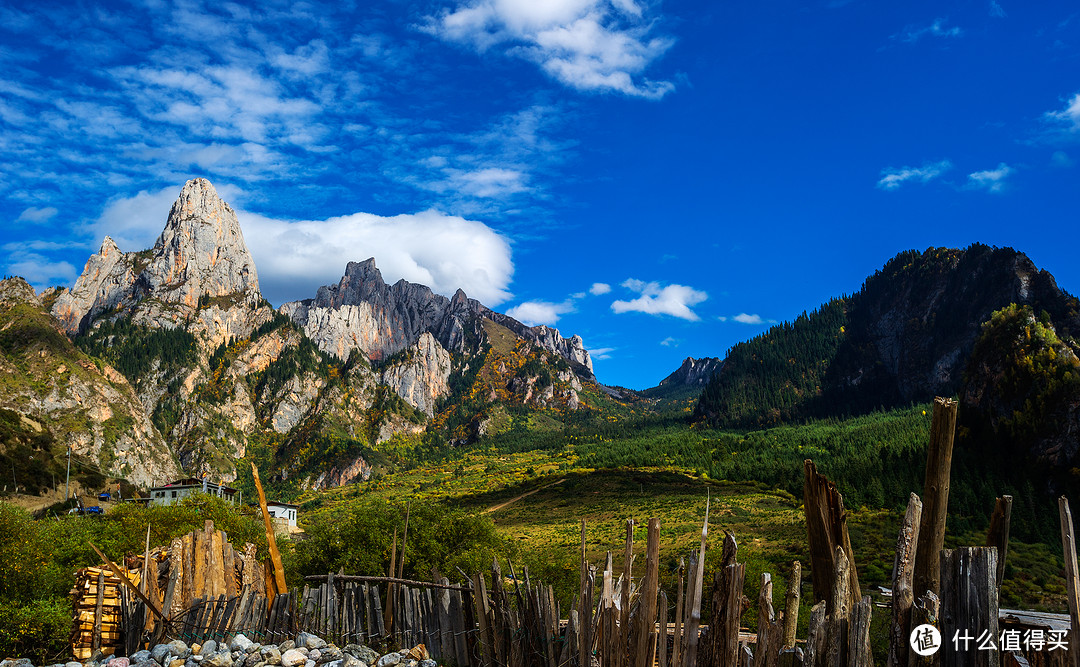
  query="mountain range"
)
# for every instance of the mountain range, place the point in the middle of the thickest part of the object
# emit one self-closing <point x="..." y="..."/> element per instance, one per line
<point x="169" y="361"/>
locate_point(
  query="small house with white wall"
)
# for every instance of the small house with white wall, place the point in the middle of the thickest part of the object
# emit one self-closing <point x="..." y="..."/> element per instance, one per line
<point x="282" y="513"/>
<point x="173" y="492"/>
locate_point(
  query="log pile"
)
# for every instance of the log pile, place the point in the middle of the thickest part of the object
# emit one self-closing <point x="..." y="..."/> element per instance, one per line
<point x="97" y="612"/>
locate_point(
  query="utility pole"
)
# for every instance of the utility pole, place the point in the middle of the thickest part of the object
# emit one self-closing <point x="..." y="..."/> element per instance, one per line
<point x="67" y="482"/>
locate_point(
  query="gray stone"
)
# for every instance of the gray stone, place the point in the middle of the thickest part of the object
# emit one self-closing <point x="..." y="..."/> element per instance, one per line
<point x="351" y="660"/>
<point x="293" y="657"/>
<point x="209" y="648"/>
<point x="309" y="641"/>
<point x="253" y="647"/>
<point x="147" y="663"/>
<point x="219" y="659"/>
<point x="428" y="663"/>
<point x="240" y="643"/>
<point x="362" y="653"/>
<point x="309" y="663"/>
<point x="270" y="655"/>
<point x="388" y="660"/>
<point x="140" y="656"/>
<point x="73" y="664"/>
<point x="330" y="654"/>
<point x="314" y="654"/>
<point x="179" y="648"/>
<point x="286" y="645"/>
<point x="161" y="653"/>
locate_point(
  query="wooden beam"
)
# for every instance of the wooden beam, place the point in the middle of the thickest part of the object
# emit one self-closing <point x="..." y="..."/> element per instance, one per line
<point x="1072" y="578"/>
<point x="935" y="497"/>
<point x="827" y="531"/>
<point x="969" y="606"/>
<point x="127" y="582"/>
<point x="998" y="535"/>
<point x="275" y="555"/>
<point x="903" y="596"/>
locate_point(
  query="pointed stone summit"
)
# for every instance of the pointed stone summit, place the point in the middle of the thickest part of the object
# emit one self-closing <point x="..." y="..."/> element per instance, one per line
<point x="200" y="253"/>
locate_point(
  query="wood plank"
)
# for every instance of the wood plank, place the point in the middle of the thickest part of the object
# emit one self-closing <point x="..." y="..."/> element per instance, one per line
<point x="859" y="652"/>
<point x="726" y="605"/>
<point x="676" y="654"/>
<point x="826" y="529"/>
<point x="690" y="648"/>
<point x="649" y="586"/>
<point x="96" y="644"/>
<point x="791" y="605"/>
<point x="903" y="594"/>
<point x="187" y="579"/>
<point x="766" y="618"/>
<point x="927" y="576"/>
<point x="228" y="566"/>
<point x="1072" y="578"/>
<point x="840" y="612"/>
<point x="817" y="636"/>
<point x="998" y="535"/>
<point x="969" y="605"/>
<point x="275" y="555"/>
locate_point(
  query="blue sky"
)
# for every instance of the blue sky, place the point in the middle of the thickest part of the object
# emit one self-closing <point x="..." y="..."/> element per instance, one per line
<point x="663" y="178"/>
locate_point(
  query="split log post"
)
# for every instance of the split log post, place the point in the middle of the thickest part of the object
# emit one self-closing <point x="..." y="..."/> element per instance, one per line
<point x="624" y="609"/>
<point x="765" y="619"/>
<point x="926" y="611"/>
<point x="859" y="653"/>
<point x="96" y="640"/>
<point x="791" y="604"/>
<point x="584" y="605"/>
<point x="816" y="637"/>
<point x="676" y="644"/>
<point x="935" y="497"/>
<point x="691" y="633"/>
<point x="826" y="527"/>
<point x="840" y="612"/>
<point x="275" y="555"/>
<point x="969" y="605"/>
<point x="388" y="613"/>
<point x="726" y="604"/>
<point x="1072" y="579"/>
<point x="903" y="596"/>
<point x="650" y="585"/>
<point x="998" y="535"/>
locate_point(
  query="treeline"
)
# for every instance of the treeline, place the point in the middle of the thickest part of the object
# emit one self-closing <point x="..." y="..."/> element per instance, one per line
<point x="135" y="350"/>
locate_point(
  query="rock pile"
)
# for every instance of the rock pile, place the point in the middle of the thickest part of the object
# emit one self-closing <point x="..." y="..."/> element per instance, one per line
<point x="307" y="650"/>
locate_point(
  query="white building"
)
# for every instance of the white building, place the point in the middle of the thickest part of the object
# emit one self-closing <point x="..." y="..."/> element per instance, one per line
<point x="283" y="513"/>
<point x="172" y="492"/>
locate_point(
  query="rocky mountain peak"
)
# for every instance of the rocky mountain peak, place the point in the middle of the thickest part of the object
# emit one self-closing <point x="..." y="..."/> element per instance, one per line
<point x="201" y="251"/>
<point x="693" y="372"/>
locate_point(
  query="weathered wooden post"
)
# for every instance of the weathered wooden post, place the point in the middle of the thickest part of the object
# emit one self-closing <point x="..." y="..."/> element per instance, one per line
<point x="1072" y="579"/>
<point x="839" y="620"/>
<point x="969" y="606"/>
<point x="903" y="596"/>
<point x="649" y="587"/>
<point x="826" y="527"/>
<point x="926" y="610"/>
<point x="624" y="609"/>
<point x="766" y="619"/>
<point x="816" y="637"/>
<point x="998" y="535"/>
<point x="690" y="647"/>
<point x="791" y="604"/>
<point x="935" y="497"/>
<point x="726" y="605"/>
<point x="859" y="653"/>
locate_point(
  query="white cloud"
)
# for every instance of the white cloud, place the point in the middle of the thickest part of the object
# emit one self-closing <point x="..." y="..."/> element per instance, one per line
<point x="936" y="29"/>
<point x="670" y="342"/>
<point x="441" y="251"/>
<point x="35" y="215"/>
<point x="992" y="180"/>
<point x="539" y="312"/>
<point x="893" y="178"/>
<point x="996" y="10"/>
<point x="674" y="300"/>
<point x="1068" y="119"/>
<point x="601" y="353"/>
<point x="746" y="318"/>
<point x="40" y="271"/>
<point x="595" y="45"/>
<point x="598" y="289"/>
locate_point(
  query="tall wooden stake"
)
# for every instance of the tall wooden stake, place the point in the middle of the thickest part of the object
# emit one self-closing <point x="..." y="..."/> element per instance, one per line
<point x="649" y="587"/>
<point x="791" y="604"/>
<point x="694" y="600"/>
<point x="1072" y="579"/>
<point x="998" y="535"/>
<point x="935" y="497"/>
<point x="903" y="596"/>
<point x="826" y="529"/>
<point x="624" y="608"/>
<point x="275" y="555"/>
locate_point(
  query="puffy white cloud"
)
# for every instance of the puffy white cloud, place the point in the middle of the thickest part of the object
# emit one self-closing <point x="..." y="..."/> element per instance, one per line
<point x="746" y="318"/>
<point x="601" y="353"/>
<point x="598" y="289"/>
<point x="674" y="300"/>
<point x="36" y="215"/>
<point x="441" y="251"/>
<point x="295" y="258"/>
<point x="539" y="312"/>
<point x="597" y="45"/>
<point x="670" y="342"/>
<point x="39" y="270"/>
<point x="992" y="180"/>
<point x="1068" y="119"/>
<point x="893" y="178"/>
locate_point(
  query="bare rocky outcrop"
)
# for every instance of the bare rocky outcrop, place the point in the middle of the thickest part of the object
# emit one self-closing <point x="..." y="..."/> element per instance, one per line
<point x="423" y="377"/>
<point x="693" y="372"/>
<point x="199" y="274"/>
<point x="362" y="312"/>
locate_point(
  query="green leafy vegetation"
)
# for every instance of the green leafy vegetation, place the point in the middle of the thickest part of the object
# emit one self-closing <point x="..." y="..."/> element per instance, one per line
<point x="136" y="350"/>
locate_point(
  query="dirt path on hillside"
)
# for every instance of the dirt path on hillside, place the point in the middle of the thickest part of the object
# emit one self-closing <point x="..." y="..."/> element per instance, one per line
<point x="513" y="500"/>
